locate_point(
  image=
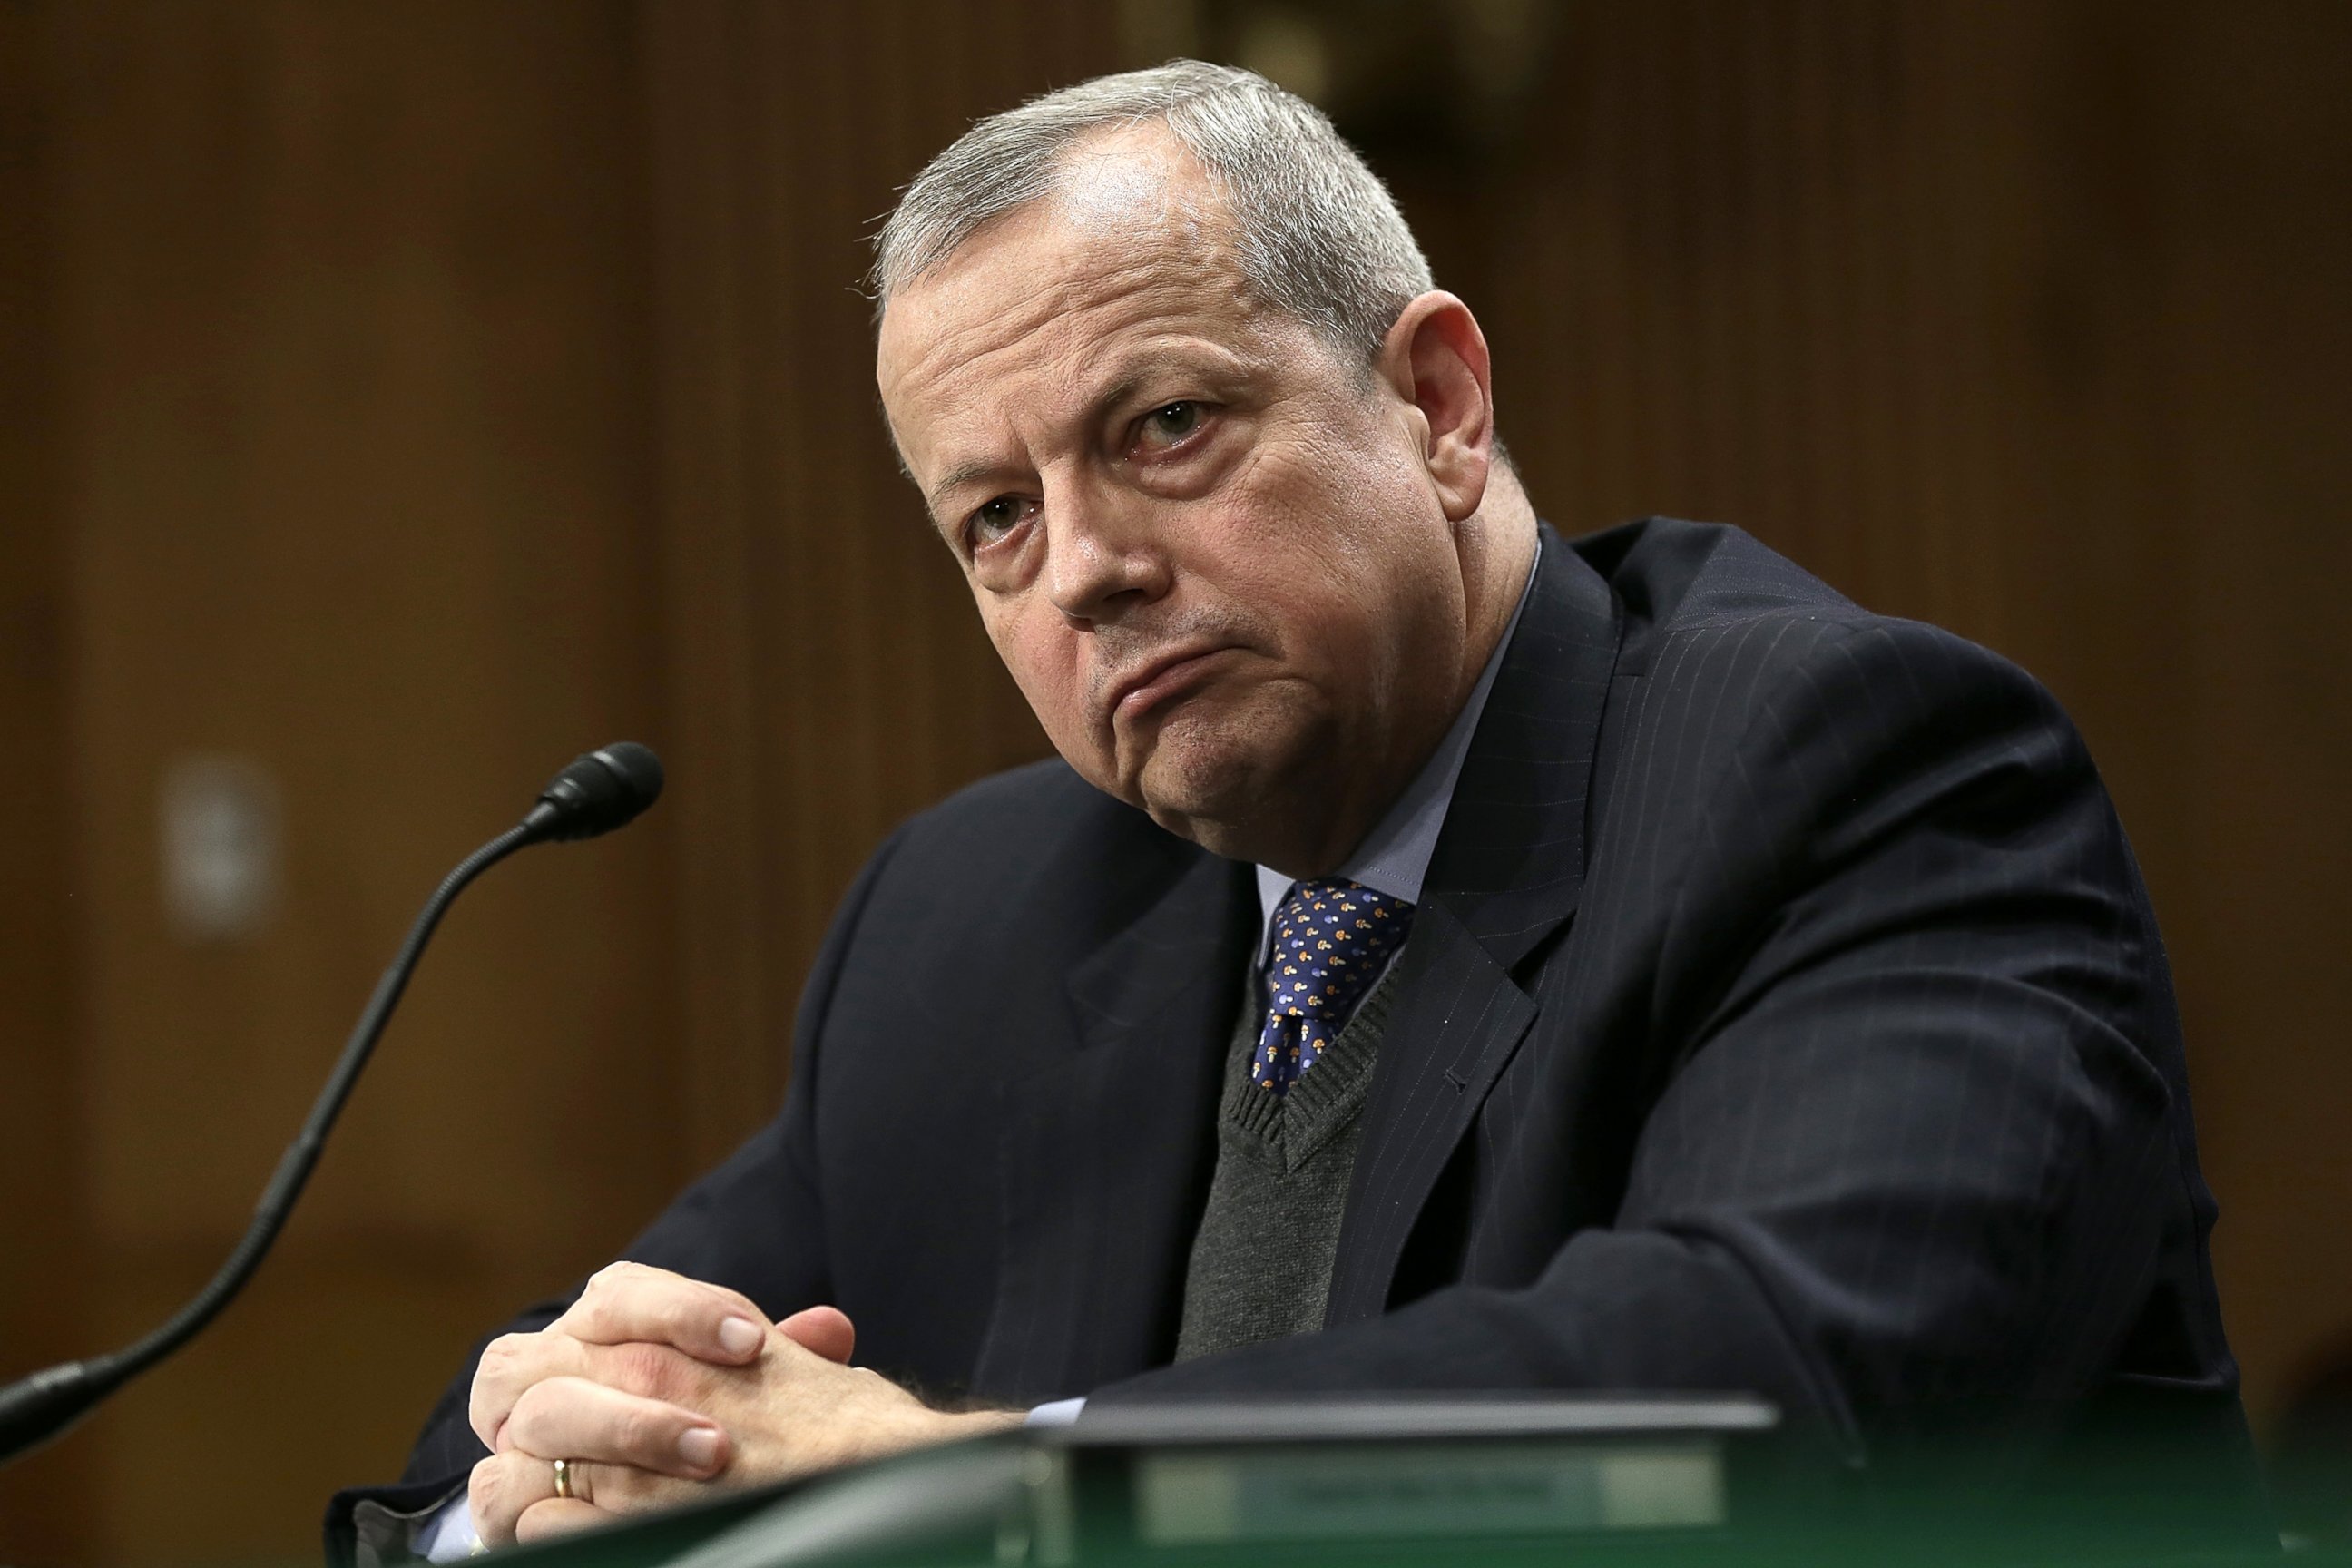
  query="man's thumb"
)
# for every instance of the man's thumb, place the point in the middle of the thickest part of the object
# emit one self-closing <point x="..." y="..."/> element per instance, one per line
<point x="828" y="1330"/>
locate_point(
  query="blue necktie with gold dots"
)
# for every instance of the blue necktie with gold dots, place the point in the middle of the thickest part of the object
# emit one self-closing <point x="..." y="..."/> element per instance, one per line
<point x="1331" y="940"/>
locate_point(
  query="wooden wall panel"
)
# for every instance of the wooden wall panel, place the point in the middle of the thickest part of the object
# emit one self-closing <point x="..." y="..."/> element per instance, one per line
<point x="828" y="671"/>
<point x="351" y="309"/>
<point x="44" y="1267"/>
<point x="2254" y="742"/>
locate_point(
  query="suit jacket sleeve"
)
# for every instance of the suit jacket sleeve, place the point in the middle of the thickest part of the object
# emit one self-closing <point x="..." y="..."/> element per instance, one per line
<point x="754" y="1223"/>
<point x="1903" y="1115"/>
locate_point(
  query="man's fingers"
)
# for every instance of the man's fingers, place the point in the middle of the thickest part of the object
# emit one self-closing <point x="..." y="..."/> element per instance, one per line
<point x="630" y="1301"/>
<point x="558" y="1516"/>
<point x="502" y="1489"/>
<point x="828" y="1330"/>
<point x="577" y="1419"/>
<point x="513" y="1496"/>
<point x="511" y="1363"/>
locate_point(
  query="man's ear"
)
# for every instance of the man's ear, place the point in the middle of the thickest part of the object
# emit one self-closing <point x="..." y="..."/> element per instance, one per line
<point x="1436" y="359"/>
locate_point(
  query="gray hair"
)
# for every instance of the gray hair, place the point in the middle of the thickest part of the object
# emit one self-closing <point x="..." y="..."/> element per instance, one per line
<point x="1319" y="236"/>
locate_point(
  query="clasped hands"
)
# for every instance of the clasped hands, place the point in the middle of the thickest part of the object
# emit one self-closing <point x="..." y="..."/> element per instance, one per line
<point x="654" y="1389"/>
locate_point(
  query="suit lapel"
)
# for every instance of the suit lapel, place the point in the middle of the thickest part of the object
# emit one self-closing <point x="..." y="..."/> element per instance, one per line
<point x="1106" y="1150"/>
<point x="1506" y="875"/>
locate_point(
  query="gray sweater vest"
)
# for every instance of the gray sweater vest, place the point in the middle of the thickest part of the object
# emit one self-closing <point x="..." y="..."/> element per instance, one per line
<point x="1261" y="1263"/>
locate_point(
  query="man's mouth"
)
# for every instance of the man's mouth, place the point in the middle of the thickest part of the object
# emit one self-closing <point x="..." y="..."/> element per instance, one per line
<point x="1161" y="681"/>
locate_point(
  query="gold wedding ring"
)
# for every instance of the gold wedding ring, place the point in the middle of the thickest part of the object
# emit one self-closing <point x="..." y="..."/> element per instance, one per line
<point x="563" y="1478"/>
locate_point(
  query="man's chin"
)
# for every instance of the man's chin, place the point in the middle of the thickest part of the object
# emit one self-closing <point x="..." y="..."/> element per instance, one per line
<point x="1216" y="794"/>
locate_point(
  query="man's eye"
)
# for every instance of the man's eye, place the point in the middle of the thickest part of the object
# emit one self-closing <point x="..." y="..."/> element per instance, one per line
<point x="992" y="519"/>
<point x="1169" y="425"/>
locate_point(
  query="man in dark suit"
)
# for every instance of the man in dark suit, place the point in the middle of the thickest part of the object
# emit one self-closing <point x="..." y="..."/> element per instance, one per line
<point x="1445" y="957"/>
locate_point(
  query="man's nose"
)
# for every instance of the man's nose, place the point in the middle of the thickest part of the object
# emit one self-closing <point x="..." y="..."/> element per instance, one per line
<point x="1104" y="557"/>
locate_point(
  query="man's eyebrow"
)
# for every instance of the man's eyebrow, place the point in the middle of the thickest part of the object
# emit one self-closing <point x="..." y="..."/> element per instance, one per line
<point x="1202" y="360"/>
<point x="1210" y="364"/>
<point x="1117" y="393"/>
<point x="957" y="478"/>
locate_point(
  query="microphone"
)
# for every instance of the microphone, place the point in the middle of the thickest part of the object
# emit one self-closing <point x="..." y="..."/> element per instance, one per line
<point x="601" y="791"/>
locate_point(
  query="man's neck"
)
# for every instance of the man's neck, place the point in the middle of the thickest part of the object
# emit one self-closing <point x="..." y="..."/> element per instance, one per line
<point x="1394" y="858"/>
<point x="1499" y="557"/>
<point x="1497" y="549"/>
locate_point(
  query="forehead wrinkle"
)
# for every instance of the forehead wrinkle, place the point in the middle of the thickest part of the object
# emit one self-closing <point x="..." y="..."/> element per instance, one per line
<point x="968" y="341"/>
<point x="955" y="367"/>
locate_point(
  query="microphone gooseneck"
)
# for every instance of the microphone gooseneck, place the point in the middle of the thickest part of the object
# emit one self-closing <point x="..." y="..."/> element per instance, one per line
<point x="601" y="791"/>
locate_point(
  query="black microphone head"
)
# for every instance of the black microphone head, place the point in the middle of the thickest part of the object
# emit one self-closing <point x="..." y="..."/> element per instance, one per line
<point x="604" y="789"/>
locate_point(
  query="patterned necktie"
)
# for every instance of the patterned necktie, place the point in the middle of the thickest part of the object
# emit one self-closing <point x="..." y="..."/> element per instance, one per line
<point x="1331" y="940"/>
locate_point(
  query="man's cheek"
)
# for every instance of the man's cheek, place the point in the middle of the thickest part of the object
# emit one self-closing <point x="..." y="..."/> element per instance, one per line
<point x="1056" y="694"/>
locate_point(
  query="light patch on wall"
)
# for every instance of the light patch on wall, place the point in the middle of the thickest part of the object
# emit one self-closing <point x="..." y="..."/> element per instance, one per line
<point x="222" y="847"/>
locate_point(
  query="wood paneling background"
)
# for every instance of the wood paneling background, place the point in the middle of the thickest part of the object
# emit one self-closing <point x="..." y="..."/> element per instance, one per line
<point x="346" y="396"/>
<point x="43" y="1266"/>
<point x="405" y="397"/>
<point x="827" y="671"/>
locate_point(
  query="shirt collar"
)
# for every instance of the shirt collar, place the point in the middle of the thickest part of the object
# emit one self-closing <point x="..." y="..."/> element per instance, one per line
<point x="1393" y="858"/>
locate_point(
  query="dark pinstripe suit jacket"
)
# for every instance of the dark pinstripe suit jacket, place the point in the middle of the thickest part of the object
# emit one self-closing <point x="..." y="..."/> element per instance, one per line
<point x="1783" y="1013"/>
